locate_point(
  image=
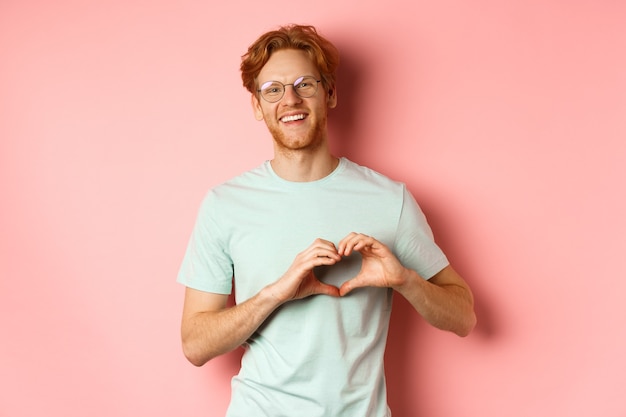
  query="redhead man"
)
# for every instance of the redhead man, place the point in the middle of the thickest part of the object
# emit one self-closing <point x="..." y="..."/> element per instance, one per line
<point x="314" y="247"/>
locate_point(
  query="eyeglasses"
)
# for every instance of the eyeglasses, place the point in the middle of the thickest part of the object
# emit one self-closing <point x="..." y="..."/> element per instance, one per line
<point x="273" y="91"/>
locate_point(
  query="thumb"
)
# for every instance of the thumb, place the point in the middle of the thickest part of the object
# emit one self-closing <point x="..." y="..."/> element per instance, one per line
<point x="347" y="286"/>
<point x="327" y="289"/>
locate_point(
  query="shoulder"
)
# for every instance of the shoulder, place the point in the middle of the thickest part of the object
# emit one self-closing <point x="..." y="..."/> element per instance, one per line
<point x="370" y="178"/>
<point x="232" y="191"/>
<point x="253" y="178"/>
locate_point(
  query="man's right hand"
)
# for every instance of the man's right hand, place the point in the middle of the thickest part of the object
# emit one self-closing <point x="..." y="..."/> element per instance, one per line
<point x="210" y="328"/>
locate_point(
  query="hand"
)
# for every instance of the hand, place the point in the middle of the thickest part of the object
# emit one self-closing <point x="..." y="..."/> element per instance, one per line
<point x="379" y="268"/>
<point x="299" y="281"/>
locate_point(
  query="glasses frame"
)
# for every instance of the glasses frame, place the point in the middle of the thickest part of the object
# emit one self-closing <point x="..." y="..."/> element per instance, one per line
<point x="296" y="82"/>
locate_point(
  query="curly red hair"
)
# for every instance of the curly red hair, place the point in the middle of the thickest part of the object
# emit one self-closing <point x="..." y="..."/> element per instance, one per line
<point x="304" y="37"/>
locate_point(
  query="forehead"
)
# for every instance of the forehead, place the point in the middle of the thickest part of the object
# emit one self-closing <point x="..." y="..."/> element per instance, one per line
<point x="286" y="65"/>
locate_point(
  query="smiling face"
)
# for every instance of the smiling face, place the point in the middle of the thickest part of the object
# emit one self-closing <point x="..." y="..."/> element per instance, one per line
<point x="295" y="123"/>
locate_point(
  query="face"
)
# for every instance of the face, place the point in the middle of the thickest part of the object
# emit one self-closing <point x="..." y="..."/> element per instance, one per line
<point x="295" y="123"/>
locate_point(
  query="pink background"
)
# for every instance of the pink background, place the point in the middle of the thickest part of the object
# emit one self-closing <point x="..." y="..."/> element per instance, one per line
<point x="507" y="120"/>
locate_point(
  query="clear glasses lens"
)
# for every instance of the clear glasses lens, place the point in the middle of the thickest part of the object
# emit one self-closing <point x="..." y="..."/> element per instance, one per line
<point x="273" y="91"/>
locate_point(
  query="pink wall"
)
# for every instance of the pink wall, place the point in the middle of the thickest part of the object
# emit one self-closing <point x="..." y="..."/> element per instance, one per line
<point x="506" y="119"/>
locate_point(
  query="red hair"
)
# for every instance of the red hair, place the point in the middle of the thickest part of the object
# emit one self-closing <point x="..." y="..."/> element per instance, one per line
<point x="322" y="52"/>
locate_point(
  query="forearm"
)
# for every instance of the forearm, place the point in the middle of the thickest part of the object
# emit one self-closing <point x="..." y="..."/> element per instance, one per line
<point x="447" y="306"/>
<point x="210" y="329"/>
<point x="208" y="334"/>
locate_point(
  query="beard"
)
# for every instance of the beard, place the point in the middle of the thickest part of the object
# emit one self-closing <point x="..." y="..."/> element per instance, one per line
<point x="310" y="140"/>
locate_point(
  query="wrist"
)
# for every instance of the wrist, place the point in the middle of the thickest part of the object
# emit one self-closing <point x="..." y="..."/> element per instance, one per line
<point x="407" y="280"/>
<point x="269" y="296"/>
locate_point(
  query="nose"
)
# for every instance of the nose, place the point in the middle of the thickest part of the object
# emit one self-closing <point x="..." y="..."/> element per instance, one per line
<point x="290" y="97"/>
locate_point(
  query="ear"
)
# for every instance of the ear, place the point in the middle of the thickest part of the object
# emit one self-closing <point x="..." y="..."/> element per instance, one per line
<point x="332" y="97"/>
<point x="256" y="108"/>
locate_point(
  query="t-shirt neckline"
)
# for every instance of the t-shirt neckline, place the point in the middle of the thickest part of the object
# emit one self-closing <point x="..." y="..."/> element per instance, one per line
<point x="297" y="184"/>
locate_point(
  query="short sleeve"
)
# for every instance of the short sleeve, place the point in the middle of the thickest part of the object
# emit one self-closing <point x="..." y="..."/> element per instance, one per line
<point x="415" y="246"/>
<point x="207" y="266"/>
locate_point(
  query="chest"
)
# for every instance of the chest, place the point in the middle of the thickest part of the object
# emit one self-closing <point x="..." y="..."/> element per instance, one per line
<point x="266" y="236"/>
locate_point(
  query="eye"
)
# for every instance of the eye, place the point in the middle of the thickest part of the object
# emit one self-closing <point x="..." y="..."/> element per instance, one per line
<point x="271" y="88"/>
<point x="301" y="82"/>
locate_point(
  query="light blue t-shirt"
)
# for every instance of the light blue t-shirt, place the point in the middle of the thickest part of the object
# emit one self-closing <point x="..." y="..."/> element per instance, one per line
<point x="321" y="356"/>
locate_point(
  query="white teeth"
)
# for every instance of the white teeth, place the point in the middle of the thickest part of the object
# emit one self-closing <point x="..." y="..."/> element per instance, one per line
<point x="292" y="118"/>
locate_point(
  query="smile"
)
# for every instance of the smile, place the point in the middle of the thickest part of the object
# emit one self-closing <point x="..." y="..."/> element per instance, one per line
<point x="292" y="118"/>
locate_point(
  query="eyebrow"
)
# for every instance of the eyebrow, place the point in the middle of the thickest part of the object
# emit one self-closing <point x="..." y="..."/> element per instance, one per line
<point x="296" y="79"/>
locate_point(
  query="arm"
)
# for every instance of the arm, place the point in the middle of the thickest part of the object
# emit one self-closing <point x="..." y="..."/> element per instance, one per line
<point x="445" y="301"/>
<point x="209" y="328"/>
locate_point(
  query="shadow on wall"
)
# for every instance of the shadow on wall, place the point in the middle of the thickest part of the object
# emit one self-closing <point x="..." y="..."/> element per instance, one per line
<point x="404" y="382"/>
<point x="343" y="120"/>
<point x="487" y="326"/>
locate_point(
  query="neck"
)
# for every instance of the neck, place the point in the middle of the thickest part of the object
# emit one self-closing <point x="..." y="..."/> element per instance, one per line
<point x="303" y="167"/>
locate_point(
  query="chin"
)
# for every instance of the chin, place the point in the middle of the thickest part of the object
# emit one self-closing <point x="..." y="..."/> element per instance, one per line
<point x="297" y="146"/>
<point x="310" y="141"/>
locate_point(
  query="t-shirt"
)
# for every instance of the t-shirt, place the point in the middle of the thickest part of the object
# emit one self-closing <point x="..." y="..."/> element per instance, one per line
<point x="322" y="355"/>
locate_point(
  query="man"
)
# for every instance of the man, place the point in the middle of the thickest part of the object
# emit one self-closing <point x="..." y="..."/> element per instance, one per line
<point x="315" y="245"/>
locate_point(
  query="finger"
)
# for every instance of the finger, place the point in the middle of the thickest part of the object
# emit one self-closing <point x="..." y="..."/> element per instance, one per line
<point x="321" y="247"/>
<point x="319" y="242"/>
<point x="327" y="289"/>
<point x="325" y="253"/>
<point x="346" y="244"/>
<point x="354" y="241"/>
<point x="328" y="259"/>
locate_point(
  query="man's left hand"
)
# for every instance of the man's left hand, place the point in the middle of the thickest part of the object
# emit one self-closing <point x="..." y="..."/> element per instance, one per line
<point x="379" y="268"/>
